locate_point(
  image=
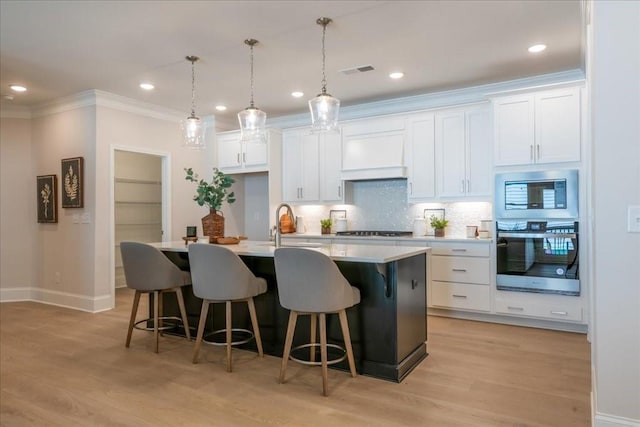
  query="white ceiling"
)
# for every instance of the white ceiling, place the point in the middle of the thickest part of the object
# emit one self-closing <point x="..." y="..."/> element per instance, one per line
<point x="58" y="48"/>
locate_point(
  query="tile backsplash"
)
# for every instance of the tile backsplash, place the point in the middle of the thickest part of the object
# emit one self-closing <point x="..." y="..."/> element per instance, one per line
<point x="382" y="205"/>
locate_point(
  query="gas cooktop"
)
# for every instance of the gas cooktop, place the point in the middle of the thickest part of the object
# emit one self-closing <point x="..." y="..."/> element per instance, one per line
<point x="374" y="233"/>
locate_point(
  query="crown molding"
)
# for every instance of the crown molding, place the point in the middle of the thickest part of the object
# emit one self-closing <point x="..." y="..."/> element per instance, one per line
<point x="469" y="95"/>
<point x="15" y="112"/>
<point x="100" y="98"/>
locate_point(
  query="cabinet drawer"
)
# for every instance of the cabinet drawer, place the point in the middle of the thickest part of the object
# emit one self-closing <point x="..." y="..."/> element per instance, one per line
<point x="549" y="310"/>
<point x="461" y="269"/>
<point x="460" y="249"/>
<point x="460" y="295"/>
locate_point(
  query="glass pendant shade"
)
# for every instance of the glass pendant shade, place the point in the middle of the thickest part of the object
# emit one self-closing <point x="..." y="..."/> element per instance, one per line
<point x="324" y="113"/>
<point x="192" y="127"/>
<point x="193" y="132"/>
<point x="324" y="107"/>
<point x="252" y="125"/>
<point x="252" y="120"/>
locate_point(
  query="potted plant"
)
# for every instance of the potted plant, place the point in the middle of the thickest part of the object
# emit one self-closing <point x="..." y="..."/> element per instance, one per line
<point x="325" y="225"/>
<point x="438" y="225"/>
<point x="212" y="194"/>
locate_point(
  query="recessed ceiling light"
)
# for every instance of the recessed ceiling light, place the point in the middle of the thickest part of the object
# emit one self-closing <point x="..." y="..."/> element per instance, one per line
<point x="537" y="48"/>
<point x="297" y="94"/>
<point x="18" y="88"/>
<point x="221" y="107"/>
<point x="147" y="86"/>
<point x="396" y="75"/>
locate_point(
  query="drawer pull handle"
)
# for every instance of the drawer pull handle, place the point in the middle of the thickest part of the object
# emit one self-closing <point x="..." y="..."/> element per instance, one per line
<point x="460" y="270"/>
<point x="459" y="296"/>
<point x="458" y="250"/>
<point x="560" y="313"/>
<point x="515" y="308"/>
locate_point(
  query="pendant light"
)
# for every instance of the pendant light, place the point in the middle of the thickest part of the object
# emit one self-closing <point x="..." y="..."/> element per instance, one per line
<point x="192" y="126"/>
<point x="324" y="107"/>
<point x="252" y="120"/>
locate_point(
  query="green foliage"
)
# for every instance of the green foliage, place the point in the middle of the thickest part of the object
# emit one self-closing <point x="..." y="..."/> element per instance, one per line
<point x="438" y="222"/>
<point x="325" y="223"/>
<point x="212" y="194"/>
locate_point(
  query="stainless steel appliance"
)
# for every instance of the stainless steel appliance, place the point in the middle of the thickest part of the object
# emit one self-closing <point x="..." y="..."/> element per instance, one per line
<point x="537" y="195"/>
<point x="538" y="256"/>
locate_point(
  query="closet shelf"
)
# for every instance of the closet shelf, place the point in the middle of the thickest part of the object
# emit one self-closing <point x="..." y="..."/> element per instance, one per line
<point x="137" y="181"/>
<point x="132" y="202"/>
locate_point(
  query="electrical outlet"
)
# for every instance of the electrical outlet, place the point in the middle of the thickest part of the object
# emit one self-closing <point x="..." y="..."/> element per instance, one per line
<point x="86" y="218"/>
<point x="633" y="219"/>
<point x="76" y="219"/>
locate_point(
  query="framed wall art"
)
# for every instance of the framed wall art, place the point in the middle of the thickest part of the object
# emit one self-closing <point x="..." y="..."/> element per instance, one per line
<point x="428" y="213"/>
<point x="72" y="182"/>
<point x="47" y="198"/>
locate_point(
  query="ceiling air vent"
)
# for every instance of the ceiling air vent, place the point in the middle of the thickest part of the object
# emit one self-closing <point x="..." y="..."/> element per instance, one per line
<point x="359" y="69"/>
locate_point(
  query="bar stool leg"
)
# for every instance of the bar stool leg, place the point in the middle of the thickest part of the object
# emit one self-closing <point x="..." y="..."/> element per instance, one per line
<point x="312" y="337"/>
<point x="347" y="341"/>
<point x="183" y="313"/>
<point x="160" y="312"/>
<point x="229" y="333"/>
<point x="201" y="323"/>
<point x="254" y="323"/>
<point x="132" y="320"/>
<point x="323" y="353"/>
<point x="156" y="303"/>
<point x="291" y="327"/>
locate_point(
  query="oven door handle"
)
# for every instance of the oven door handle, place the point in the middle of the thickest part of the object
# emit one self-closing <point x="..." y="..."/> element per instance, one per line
<point x="538" y="235"/>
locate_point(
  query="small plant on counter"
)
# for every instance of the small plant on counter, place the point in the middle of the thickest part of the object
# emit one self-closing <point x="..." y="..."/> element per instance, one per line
<point x="212" y="194"/>
<point x="438" y="223"/>
<point x="325" y="224"/>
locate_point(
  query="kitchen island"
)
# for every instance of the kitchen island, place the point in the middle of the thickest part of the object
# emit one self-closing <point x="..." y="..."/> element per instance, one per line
<point x="388" y="327"/>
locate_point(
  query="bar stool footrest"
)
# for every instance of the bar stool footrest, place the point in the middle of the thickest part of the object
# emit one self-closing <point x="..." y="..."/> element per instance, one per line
<point x="245" y="332"/>
<point x="166" y="327"/>
<point x="338" y="359"/>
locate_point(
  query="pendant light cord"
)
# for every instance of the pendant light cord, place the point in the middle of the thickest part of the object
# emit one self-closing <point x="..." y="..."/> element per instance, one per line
<point x="324" y="77"/>
<point x="193" y="60"/>
<point x="251" y="46"/>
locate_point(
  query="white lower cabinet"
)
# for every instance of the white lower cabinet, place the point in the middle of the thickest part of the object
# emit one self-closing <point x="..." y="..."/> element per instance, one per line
<point x="460" y="296"/>
<point x="556" y="307"/>
<point x="461" y="276"/>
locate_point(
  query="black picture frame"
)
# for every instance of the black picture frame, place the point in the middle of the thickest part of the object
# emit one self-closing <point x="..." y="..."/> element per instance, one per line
<point x="47" y="198"/>
<point x="428" y="213"/>
<point x="72" y="177"/>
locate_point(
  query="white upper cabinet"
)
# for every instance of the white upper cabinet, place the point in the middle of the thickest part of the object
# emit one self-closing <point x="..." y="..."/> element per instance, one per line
<point x="374" y="148"/>
<point x="463" y="152"/>
<point x="421" y="156"/>
<point x="311" y="167"/>
<point x="331" y="185"/>
<point x="542" y="127"/>
<point x="237" y="157"/>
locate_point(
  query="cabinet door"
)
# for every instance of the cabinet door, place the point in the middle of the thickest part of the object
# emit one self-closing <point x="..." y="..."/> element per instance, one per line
<point x="255" y="155"/>
<point x="291" y="166"/>
<point x="514" y="130"/>
<point x="229" y="151"/>
<point x="310" y="189"/>
<point x="450" y="153"/>
<point x="558" y="126"/>
<point x="331" y="189"/>
<point x="479" y="156"/>
<point x="421" y="156"/>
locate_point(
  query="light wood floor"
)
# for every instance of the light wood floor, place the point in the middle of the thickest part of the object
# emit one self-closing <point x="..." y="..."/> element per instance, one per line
<point x="61" y="367"/>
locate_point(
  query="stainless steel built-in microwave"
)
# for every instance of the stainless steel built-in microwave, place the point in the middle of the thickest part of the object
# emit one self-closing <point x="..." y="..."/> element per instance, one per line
<point x="533" y="195"/>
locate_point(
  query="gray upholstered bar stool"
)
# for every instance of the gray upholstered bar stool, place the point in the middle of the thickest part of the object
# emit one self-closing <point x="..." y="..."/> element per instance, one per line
<point x="147" y="270"/>
<point x="219" y="275"/>
<point x="310" y="283"/>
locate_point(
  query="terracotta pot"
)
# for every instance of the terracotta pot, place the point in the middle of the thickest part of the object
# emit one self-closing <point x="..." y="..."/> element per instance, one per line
<point x="439" y="232"/>
<point x="213" y="224"/>
<point x="326" y="230"/>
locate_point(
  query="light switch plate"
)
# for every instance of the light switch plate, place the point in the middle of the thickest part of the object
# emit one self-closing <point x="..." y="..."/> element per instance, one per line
<point x="76" y="219"/>
<point x="633" y="219"/>
<point x="86" y="218"/>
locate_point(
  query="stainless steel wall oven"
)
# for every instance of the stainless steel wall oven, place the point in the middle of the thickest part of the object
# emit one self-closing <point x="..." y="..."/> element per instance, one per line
<point x="537" y="233"/>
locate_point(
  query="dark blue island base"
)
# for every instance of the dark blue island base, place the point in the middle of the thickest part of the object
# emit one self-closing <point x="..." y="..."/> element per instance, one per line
<point x="388" y="327"/>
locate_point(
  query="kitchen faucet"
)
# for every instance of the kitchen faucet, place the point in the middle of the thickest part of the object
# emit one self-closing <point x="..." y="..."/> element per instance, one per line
<point x="278" y="235"/>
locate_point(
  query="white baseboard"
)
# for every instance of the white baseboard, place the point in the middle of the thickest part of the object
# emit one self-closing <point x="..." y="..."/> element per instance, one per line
<point x="57" y="298"/>
<point x="605" y="420"/>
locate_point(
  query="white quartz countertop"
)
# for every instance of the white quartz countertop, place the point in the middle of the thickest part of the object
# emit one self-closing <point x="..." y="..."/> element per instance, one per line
<point x="338" y="252"/>
<point x="418" y="239"/>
